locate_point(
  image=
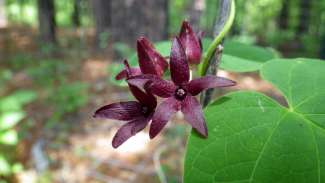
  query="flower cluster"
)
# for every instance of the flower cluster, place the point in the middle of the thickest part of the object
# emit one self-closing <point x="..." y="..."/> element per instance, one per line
<point x="146" y="83"/>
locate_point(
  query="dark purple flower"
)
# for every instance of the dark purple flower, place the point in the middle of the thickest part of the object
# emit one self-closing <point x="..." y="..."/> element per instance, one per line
<point x="123" y="74"/>
<point x="180" y="93"/>
<point x="191" y="43"/>
<point x="150" y="61"/>
<point x="136" y="113"/>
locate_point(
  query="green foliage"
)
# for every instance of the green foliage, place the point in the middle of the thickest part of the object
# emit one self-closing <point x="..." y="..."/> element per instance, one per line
<point x="69" y="97"/>
<point x="25" y="11"/>
<point x="20" y="61"/>
<point x="11" y="113"/>
<point x="266" y="142"/>
<point x="240" y="57"/>
<point x="5" y="76"/>
<point x="47" y="71"/>
<point x="176" y="13"/>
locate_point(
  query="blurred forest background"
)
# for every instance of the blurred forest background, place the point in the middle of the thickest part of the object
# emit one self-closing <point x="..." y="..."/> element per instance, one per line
<point x="57" y="63"/>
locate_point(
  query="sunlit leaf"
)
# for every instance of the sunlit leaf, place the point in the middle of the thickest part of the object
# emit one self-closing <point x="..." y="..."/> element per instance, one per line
<point x="252" y="138"/>
<point x="9" y="137"/>
<point x="4" y="166"/>
<point x="17" y="167"/>
<point x="10" y="119"/>
<point x="16" y="100"/>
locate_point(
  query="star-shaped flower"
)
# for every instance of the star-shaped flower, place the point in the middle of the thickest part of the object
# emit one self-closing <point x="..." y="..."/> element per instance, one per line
<point x="137" y="113"/>
<point x="150" y="61"/>
<point x="180" y="93"/>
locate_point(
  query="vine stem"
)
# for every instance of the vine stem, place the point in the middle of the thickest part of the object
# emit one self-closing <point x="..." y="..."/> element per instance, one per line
<point x="213" y="56"/>
<point x="224" y="22"/>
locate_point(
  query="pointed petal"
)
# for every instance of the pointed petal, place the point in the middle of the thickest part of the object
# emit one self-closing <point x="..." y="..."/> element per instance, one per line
<point x="161" y="88"/>
<point x="140" y="80"/>
<point x="192" y="111"/>
<point x="179" y="69"/>
<point x="121" y="75"/>
<point x="144" y="98"/>
<point x="124" y="73"/>
<point x="191" y="43"/>
<point x="150" y="61"/>
<point x="162" y="115"/>
<point x="196" y="86"/>
<point x="128" y="130"/>
<point x="120" y="111"/>
<point x="159" y="61"/>
<point x="146" y="65"/>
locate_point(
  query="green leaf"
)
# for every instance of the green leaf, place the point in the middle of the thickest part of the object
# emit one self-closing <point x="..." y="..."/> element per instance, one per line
<point x="5" y="168"/>
<point x="17" y="168"/>
<point x="252" y="138"/>
<point x="16" y="100"/>
<point x="10" y="119"/>
<point x="9" y="137"/>
<point x="239" y="57"/>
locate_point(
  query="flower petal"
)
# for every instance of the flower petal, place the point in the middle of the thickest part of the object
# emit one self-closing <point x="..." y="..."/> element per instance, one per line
<point x="159" y="61"/>
<point x="128" y="130"/>
<point x="124" y="73"/>
<point x="162" y="115"/>
<point x="140" y="80"/>
<point x="190" y="43"/>
<point x="144" y="98"/>
<point x="192" y="111"/>
<point x="179" y="69"/>
<point x="150" y="61"/>
<point x="123" y="111"/>
<point x="161" y="87"/>
<point x="196" y="86"/>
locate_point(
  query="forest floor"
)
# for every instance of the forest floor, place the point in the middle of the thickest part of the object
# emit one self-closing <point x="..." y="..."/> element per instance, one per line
<point x="76" y="148"/>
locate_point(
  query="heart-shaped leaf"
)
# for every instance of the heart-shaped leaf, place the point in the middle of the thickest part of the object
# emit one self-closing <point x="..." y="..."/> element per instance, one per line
<point x="252" y="138"/>
<point x="239" y="57"/>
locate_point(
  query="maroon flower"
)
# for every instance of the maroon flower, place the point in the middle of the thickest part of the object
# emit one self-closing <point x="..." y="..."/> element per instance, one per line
<point x="191" y="43"/>
<point x="179" y="93"/>
<point x="136" y="113"/>
<point x="123" y="74"/>
<point x="150" y="61"/>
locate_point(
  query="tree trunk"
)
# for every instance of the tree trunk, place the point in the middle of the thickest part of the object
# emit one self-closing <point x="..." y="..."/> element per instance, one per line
<point x="47" y="24"/>
<point x="3" y="19"/>
<point x="284" y="15"/>
<point x="196" y="9"/>
<point x="76" y="13"/>
<point x="102" y="15"/>
<point x="304" y="17"/>
<point x="134" y="18"/>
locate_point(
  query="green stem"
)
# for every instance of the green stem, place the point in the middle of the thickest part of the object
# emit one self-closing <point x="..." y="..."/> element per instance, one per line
<point x="217" y="40"/>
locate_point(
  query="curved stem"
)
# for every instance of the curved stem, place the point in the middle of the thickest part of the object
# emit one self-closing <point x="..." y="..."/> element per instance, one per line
<point x="218" y="39"/>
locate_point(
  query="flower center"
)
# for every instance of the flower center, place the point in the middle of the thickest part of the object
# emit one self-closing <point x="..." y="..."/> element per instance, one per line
<point x="180" y="93"/>
<point x="144" y="109"/>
